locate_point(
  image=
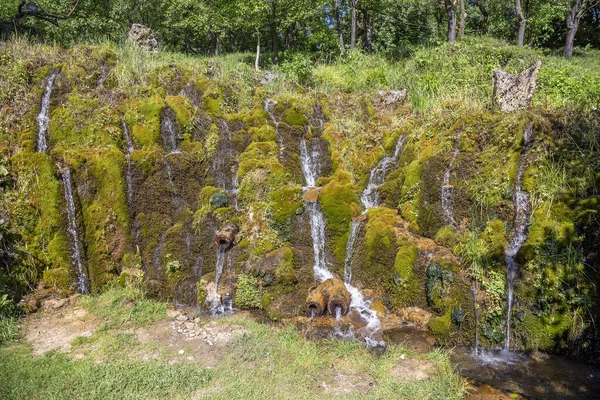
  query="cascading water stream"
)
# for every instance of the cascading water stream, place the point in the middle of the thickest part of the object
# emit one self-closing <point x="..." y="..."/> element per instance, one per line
<point x="169" y="137"/>
<point x="448" y="190"/>
<point x="216" y="306"/>
<point x="129" y="150"/>
<point x="43" y="118"/>
<point x="519" y="233"/>
<point x="370" y="196"/>
<point x="76" y="254"/>
<point x="270" y="109"/>
<point x="370" y="199"/>
<point x="225" y="174"/>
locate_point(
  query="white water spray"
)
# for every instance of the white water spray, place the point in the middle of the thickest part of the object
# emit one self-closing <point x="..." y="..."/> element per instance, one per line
<point x="519" y="233"/>
<point x="448" y="190"/>
<point x="76" y="254"/>
<point x="43" y="118"/>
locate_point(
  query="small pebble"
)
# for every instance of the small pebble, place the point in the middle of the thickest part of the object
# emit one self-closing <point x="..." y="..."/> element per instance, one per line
<point x="181" y="352"/>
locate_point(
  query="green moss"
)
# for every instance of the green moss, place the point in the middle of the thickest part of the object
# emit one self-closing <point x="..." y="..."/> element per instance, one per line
<point x="183" y="109"/>
<point x="247" y="294"/>
<point x="408" y="284"/>
<point x="292" y="116"/>
<point x="284" y="203"/>
<point x="446" y="237"/>
<point x="495" y="239"/>
<point x="284" y="272"/>
<point x="544" y="333"/>
<point x="440" y="326"/>
<point x="143" y="118"/>
<point x="58" y="278"/>
<point x="339" y="203"/>
<point x="380" y="236"/>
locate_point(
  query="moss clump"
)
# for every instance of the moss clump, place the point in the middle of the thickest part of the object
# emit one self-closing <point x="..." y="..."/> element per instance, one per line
<point x="544" y="333"/>
<point x="405" y="279"/>
<point x="495" y="239"/>
<point x="143" y="118"/>
<point x="446" y="237"/>
<point x="339" y="203"/>
<point x="292" y="116"/>
<point x="440" y="326"/>
<point x="247" y="294"/>
<point x="284" y="204"/>
<point x="58" y="278"/>
<point x="437" y="284"/>
<point x="183" y="110"/>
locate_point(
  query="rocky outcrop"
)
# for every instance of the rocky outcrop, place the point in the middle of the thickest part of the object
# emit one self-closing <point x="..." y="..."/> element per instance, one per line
<point x="143" y="37"/>
<point x="387" y="98"/>
<point x="513" y="92"/>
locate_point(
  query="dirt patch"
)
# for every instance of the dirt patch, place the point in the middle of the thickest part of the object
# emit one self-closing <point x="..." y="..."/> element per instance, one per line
<point x="347" y="384"/>
<point x="185" y="338"/>
<point x="57" y="324"/>
<point x="413" y="369"/>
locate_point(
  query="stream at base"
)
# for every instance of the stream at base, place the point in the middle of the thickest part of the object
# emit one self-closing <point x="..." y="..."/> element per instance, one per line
<point x="538" y="376"/>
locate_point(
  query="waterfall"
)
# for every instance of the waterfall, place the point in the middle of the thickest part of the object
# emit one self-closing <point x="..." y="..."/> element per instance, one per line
<point x="519" y="233"/>
<point x="158" y="251"/>
<point x="310" y="162"/>
<point x="317" y="230"/>
<point x="270" y="109"/>
<point x="338" y="313"/>
<point x="476" y="314"/>
<point x="43" y="117"/>
<point x="216" y="307"/>
<point x="354" y="230"/>
<point x="169" y="137"/>
<point x="448" y="190"/>
<point x="76" y="255"/>
<point x="370" y="197"/>
<point x="223" y="166"/>
<point x="129" y="150"/>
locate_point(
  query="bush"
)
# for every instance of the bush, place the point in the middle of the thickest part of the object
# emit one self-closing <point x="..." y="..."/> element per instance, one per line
<point x="248" y="294"/>
<point x="299" y="68"/>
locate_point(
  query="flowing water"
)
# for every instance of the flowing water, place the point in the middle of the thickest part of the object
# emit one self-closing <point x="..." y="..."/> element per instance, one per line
<point x="370" y="196"/>
<point x="216" y="307"/>
<point x="158" y="250"/>
<point x="448" y="190"/>
<point x="167" y="131"/>
<point x="129" y="150"/>
<point x="76" y="254"/>
<point x="370" y="199"/>
<point x="354" y="230"/>
<point x="223" y="165"/>
<point x="270" y="109"/>
<point x="43" y="117"/>
<point x="519" y="233"/>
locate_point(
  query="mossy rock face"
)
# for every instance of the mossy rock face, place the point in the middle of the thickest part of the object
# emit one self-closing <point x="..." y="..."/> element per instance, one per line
<point x="339" y="203"/>
<point x="292" y="116"/>
<point x="407" y="285"/>
<point x="495" y="239"/>
<point x="60" y="279"/>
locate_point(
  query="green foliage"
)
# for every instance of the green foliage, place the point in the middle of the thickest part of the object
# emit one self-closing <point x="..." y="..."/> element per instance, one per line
<point x="247" y="294"/>
<point x="298" y="68"/>
<point x="436" y="285"/>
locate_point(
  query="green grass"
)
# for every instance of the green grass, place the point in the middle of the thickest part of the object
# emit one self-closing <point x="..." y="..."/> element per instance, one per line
<point x="9" y="330"/>
<point x="55" y="376"/>
<point x="124" y="306"/>
<point x="265" y="362"/>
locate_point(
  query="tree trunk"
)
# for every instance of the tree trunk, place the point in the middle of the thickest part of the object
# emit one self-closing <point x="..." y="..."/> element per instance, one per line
<point x="486" y="16"/>
<point x="257" y="51"/>
<point x="274" y="35"/>
<point x="572" y="26"/>
<point x="353" y="30"/>
<point x="522" y="23"/>
<point x="463" y="17"/>
<point x="338" y="24"/>
<point x="450" y="9"/>
<point x="369" y="34"/>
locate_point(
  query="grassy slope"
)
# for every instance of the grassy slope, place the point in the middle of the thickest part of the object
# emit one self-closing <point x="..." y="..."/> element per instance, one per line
<point x="265" y="362"/>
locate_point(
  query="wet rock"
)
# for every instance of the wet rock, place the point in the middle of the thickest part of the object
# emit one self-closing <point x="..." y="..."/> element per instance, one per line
<point x="415" y="315"/>
<point x="143" y="37"/>
<point x="415" y="339"/>
<point x="379" y="309"/>
<point x="513" y="92"/>
<point x="312" y="194"/>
